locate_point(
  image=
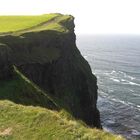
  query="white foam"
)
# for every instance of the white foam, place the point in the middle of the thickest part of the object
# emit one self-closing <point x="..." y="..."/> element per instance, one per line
<point x="132" y="83"/>
<point x="113" y="72"/>
<point x="135" y="132"/>
<point x="117" y="75"/>
<point x="110" y="121"/>
<point x="110" y="90"/>
<point x="126" y="82"/>
<point x="127" y="76"/>
<point x="103" y="93"/>
<point x="98" y="77"/>
<point x="106" y="73"/>
<point x="117" y="100"/>
<point x="125" y="103"/>
<point x="131" y="90"/>
<point x="123" y="80"/>
<point x="130" y="77"/>
<point x="136" y="94"/>
<point x="115" y="80"/>
<point x="85" y="56"/>
<point x="138" y="106"/>
<point x="121" y="72"/>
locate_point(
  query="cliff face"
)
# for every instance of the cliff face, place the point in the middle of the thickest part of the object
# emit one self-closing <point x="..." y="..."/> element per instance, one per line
<point x="52" y="61"/>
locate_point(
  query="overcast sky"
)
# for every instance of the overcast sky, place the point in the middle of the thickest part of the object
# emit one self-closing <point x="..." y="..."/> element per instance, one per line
<point x="91" y="16"/>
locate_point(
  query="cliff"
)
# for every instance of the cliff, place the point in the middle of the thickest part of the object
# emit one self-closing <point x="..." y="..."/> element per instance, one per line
<point x="51" y="60"/>
<point x="41" y="66"/>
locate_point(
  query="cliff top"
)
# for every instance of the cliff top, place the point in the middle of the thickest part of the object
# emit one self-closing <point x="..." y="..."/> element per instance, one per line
<point x="23" y="24"/>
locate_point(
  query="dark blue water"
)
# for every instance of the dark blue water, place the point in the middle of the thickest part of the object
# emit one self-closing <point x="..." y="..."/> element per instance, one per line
<point x="115" y="60"/>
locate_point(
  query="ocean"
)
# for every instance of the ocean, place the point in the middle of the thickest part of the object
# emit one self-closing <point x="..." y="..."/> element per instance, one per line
<point x="115" y="60"/>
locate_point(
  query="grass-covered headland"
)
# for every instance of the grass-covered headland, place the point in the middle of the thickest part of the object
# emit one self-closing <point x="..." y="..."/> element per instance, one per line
<point x="27" y="111"/>
<point x="23" y="24"/>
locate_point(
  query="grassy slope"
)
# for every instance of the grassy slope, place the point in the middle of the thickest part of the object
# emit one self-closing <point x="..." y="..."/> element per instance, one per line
<point x="37" y="123"/>
<point x="22" y="24"/>
<point x="34" y="123"/>
<point x="14" y="23"/>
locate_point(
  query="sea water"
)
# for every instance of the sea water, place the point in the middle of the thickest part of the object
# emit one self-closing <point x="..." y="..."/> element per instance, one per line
<point x="115" y="60"/>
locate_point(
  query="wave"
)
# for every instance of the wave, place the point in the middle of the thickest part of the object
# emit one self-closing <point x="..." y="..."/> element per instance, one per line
<point x="126" y="75"/>
<point x="85" y="56"/>
<point x="131" y="90"/>
<point x="110" y="90"/>
<point x="113" y="71"/>
<point x="138" y="106"/>
<point x="118" y="100"/>
<point x="130" y="83"/>
<point x="127" y="82"/>
<point x="115" y="80"/>
<point x="111" y="98"/>
<point x="135" y="94"/>
<point x="126" y="103"/>
<point x="135" y="132"/>
<point x="119" y="74"/>
<point x="132" y="78"/>
<point x="103" y="94"/>
<point x="123" y="80"/>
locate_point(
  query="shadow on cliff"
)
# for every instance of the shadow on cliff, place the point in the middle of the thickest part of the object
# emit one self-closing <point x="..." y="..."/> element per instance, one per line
<point x="20" y="90"/>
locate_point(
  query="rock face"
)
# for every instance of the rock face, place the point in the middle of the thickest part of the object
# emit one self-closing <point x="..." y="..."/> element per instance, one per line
<point x="5" y="65"/>
<point x="52" y="61"/>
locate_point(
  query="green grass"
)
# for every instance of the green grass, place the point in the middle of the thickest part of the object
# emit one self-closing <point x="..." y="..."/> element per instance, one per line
<point x="33" y="115"/>
<point x="35" y="123"/>
<point x="15" y="23"/>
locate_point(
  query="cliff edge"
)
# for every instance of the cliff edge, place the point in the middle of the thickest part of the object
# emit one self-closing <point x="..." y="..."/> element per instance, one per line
<point x="47" y="89"/>
<point x="49" y="57"/>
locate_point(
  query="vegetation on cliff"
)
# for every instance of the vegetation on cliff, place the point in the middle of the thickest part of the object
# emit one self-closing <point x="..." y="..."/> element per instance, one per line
<point x="48" y="83"/>
<point x="38" y="117"/>
<point x="22" y="24"/>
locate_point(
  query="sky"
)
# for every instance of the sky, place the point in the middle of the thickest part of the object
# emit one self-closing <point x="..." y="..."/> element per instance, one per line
<point x="91" y="16"/>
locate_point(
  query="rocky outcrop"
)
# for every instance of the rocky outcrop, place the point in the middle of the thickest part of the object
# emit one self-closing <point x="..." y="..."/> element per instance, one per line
<point x="5" y="65"/>
<point x="51" y="60"/>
